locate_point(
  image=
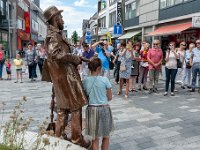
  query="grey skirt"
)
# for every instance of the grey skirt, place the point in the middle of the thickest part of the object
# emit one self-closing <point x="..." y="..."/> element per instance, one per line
<point x="99" y="121"/>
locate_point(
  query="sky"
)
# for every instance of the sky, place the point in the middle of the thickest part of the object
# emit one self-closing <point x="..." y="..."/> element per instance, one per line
<point x="74" y="11"/>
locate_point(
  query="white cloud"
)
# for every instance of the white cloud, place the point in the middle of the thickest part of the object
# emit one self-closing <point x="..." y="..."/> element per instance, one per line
<point x="80" y="3"/>
<point x="72" y="16"/>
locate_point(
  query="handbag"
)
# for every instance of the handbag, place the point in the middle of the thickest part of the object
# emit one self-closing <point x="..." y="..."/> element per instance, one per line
<point x="179" y="63"/>
<point x="188" y="66"/>
<point x="122" y="67"/>
<point x="111" y="64"/>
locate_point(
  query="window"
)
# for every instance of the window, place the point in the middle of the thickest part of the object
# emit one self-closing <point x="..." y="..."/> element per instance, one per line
<point x="112" y="19"/>
<point x="103" y="4"/>
<point x="102" y="22"/>
<point x="21" y="24"/>
<point x="112" y="1"/>
<point x="163" y="4"/>
<point x="1" y="8"/>
<point x="178" y="1"/>
<point x="169" y="3"/>
<point x="25" y="7"/>
<point x="130" y="11"/>
<point x="35" y="26"/>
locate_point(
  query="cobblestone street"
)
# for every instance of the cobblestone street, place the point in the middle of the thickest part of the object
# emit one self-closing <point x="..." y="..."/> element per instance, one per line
<point x="142" y="122"/>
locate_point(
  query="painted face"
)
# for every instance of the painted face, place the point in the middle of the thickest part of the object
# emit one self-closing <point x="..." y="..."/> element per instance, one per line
<point x="60" y="22"/>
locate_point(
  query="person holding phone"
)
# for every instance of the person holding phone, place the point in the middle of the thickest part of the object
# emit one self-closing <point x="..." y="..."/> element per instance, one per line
<point x="171" y="68"/>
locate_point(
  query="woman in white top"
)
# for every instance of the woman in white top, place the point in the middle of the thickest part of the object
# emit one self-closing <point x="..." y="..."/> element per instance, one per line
<point x="187" y="71"/>
<point x="171" y="68"/>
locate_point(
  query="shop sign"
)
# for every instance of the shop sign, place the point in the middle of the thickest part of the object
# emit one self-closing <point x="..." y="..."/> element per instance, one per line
<point x="102" y="31"/>
<point x="196" y="21"/>
<point x="119" y="12"/>
<point x="27" y="22"/>
<point x="23" y="35"/>
<point x="188" y="36"/>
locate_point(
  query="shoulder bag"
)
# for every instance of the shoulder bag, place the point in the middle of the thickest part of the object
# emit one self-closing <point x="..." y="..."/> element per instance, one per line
<point x="111" y="64"/>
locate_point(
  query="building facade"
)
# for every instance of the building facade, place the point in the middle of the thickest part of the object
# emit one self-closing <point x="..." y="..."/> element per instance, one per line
<point x="148" y="19"/>
<point x="5" y="6"/>
<point x="21" y="22"/>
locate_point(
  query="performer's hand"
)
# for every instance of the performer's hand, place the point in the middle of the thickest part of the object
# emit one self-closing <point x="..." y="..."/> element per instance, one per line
<point x="84" y="59"/>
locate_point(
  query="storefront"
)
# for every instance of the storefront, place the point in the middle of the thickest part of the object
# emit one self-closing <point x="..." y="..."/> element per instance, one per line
<point x="176" y="32"/>
<point x="23" y="36"/>
<point x="4" y="41"/>
<point x="22" y="39"/>
<point x="135" y="36"/>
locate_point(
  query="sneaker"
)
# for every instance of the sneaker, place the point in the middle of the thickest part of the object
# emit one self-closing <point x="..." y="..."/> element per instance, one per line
<point x="16" y="82"/>
<point x="189" y="87"/>
<point x="150" y="91"/>
<point x="145" y="88"/>
<point x="155" y="90"/>
<point x="182" y="87"/>
<point x="192" y="90"/>
<point x="172" y="94"/>
<point x="166" y="93"/>
<point x="139" y="88"/>
<point x="175" y="90"/>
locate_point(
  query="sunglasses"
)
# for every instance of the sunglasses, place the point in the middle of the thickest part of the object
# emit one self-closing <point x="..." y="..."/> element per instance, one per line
<point x="155" y="43"/>
<point x="183" y="44"/>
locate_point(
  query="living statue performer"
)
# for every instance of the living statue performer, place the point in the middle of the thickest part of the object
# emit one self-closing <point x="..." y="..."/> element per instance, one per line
<point x="61" y="67"/>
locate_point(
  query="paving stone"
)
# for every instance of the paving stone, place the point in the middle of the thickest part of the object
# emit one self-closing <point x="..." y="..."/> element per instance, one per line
<point x="193" y="110"/>
<point x="144" y="140"/>
<point x="184" y="107"/>
<point x="170" y="121"/>
<point x="147" y="145"/>
<point x="144" y="121"/>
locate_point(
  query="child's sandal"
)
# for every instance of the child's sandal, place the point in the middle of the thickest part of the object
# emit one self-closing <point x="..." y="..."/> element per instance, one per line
<point x="119" y="93"/>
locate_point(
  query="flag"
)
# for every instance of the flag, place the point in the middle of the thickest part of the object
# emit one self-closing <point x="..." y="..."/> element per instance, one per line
<point x="109" y="37"/>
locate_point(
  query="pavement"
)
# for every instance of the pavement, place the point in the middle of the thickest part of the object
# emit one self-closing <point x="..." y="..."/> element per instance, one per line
<point x="143" y="121"/>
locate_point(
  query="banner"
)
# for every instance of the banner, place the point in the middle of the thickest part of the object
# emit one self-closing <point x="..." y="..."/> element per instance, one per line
<point x="119" y="12"/>
<point x="27" y="22"/>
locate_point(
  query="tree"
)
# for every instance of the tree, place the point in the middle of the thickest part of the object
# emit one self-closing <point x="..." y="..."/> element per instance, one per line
<point x="75" y="37"/>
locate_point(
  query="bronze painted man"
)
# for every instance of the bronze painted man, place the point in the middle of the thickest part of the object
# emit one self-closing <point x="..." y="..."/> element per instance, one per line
<point x="62" y="68"/>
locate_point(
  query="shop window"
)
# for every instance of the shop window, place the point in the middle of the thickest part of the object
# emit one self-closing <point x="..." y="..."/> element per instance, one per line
<point x="4" y="37"/>
<point x="130" y="11"/>
<point x="112" y="19"/>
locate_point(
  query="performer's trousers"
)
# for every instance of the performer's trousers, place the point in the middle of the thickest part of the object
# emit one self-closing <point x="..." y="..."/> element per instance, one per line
<point x="76" y="124"/>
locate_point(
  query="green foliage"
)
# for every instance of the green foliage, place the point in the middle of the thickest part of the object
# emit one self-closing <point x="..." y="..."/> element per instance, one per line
<point x="75" y="37"/>
<point x="14" y="131"/>
<point x="4" y="147"/>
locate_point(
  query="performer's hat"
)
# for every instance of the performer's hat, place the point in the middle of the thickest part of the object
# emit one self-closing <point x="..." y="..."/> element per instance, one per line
<point x="50" y="12"/>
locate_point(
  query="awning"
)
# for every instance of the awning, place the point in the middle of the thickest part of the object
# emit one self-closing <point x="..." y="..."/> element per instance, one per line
<point x="172" y="29"/>
<point x="129" y="35"/>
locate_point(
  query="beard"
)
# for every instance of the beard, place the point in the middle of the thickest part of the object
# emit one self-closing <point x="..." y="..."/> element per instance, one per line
<point x="61" y="26"/>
